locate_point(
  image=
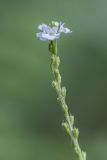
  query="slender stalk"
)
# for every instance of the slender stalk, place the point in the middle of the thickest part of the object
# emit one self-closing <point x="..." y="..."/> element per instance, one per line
<point x="61" y="93"/>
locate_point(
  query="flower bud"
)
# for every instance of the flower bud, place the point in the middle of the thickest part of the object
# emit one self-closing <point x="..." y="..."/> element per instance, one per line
<point x="71" y="119"/>
<point x="76" y="133"/>
<point x="66" y="127"/>
<point x="55" y="85"/>
<point x="57" y="75"/>
<point x="84" y="155"/>
<point x="58" y="61"/>
<point x="63" y="91"/>
<point x="65" y="108"/>
<point x="51" y="47"/>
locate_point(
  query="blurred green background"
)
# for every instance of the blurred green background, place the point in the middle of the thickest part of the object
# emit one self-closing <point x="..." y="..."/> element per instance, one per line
<point x="30" y="118"/>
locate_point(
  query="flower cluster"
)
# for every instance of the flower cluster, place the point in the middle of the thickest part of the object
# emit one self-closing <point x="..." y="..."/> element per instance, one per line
<point x="52" y="31"/>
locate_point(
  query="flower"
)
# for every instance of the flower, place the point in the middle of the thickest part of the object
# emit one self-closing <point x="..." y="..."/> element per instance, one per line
<point x="52" y="31"/>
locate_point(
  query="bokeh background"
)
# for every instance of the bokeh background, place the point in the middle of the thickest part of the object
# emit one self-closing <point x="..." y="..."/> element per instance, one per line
<point x="30" y="118"/>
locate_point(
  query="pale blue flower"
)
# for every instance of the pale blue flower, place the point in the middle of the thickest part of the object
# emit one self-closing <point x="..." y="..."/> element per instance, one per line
<point x="51" y="32"/>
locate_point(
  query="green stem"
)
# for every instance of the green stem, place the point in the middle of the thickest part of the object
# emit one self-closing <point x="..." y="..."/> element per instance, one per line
<point x="61" y="93"/>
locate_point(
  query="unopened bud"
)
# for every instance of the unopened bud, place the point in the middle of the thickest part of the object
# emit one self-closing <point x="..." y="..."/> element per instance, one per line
<point x="58" y="61"/>
<point x="65" y="108"/>
<point x="66" y="127"/>
<point x="84" y="155"/>
<point x="55" y="85"/>
<point x="57" y="75"/>
<point x="76" y="133"/>
<point x="52" y="47"/>
<point x="63" y="91"/>
<point x="72" y="119"/>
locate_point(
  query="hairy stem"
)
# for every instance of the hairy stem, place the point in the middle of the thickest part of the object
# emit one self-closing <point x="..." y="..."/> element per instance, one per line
<point x="61" y="93"/>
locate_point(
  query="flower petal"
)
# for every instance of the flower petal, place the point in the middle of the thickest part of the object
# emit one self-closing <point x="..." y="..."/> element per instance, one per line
<point x="43" y="27"/>
<point x="66" y="30"/>
<point x="40" y="36"/>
